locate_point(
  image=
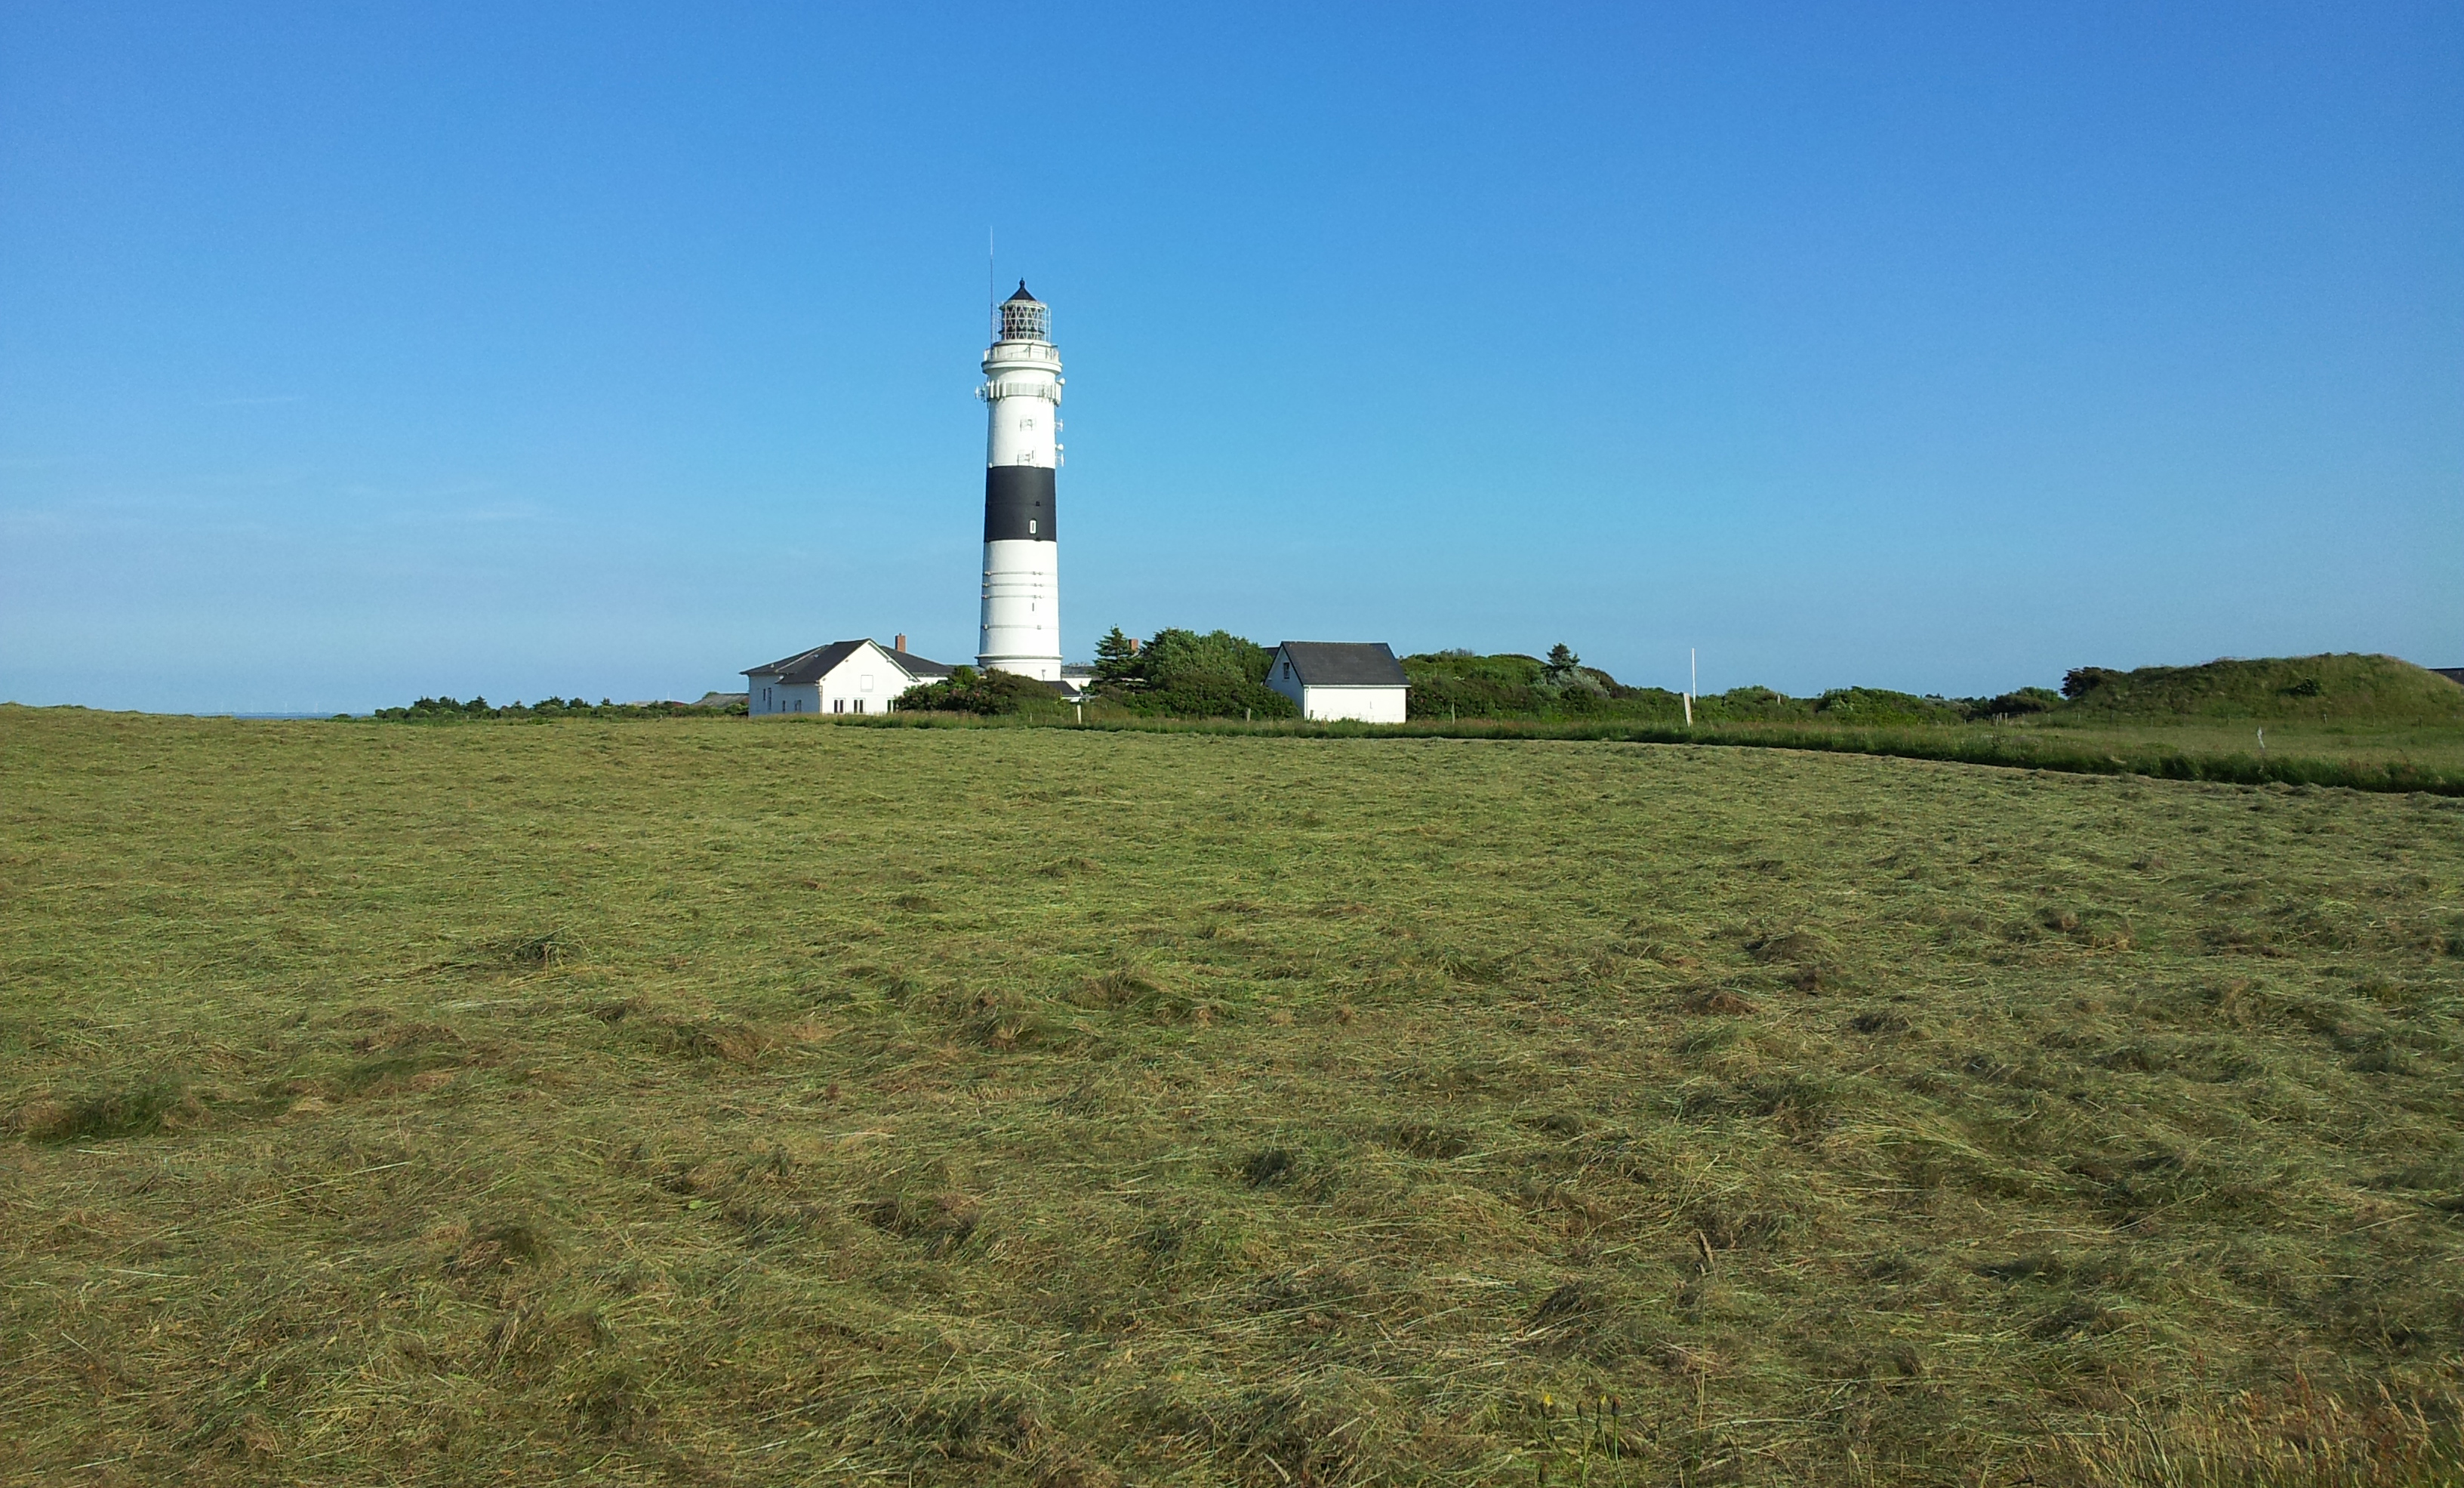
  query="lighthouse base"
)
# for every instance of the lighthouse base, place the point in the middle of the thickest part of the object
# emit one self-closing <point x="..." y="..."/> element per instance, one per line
<point x="1022" y="616"/>
<point x="1042" y="668"/>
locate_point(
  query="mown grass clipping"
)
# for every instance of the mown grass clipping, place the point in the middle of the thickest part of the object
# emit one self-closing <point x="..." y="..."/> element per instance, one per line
<point x="698" y="1101"/>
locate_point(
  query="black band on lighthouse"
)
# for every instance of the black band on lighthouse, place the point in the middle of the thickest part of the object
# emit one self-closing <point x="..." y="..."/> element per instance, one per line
<point x="1017" y="503"/>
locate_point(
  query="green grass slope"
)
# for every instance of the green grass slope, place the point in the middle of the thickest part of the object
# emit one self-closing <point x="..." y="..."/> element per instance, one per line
<point x="706" y="1101"/>
<point x="2309" y="688"/>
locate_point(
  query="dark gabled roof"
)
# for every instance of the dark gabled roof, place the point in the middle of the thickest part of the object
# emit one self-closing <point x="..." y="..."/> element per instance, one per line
<point x="814" y="664"/>
<point x="2451" y="673"/>
<point x="1344" y="663"/>
<point x="1022" y="294"/>
<point x="807" y="666"/>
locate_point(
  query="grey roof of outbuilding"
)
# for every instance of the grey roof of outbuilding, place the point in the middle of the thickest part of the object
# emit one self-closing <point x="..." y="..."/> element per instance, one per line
<point x="1344" y="663"/>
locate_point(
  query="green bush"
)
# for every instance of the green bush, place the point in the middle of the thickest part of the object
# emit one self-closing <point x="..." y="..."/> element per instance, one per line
<point x="1461" y="684"/>
<point x="1881" y="705"/>
<point x="2013" y="704"/>
<point x="1755" y="704"/>
<point x="1182" y="674"/>
<point x="967" y="690"/>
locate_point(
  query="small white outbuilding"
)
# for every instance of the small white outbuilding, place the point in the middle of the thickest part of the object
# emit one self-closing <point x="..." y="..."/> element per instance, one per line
<point x="1340" y="679"/>
<point x="842" y="677"/>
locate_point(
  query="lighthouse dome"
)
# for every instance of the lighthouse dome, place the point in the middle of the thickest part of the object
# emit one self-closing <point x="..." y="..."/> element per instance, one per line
<point x="1024" y="318"/>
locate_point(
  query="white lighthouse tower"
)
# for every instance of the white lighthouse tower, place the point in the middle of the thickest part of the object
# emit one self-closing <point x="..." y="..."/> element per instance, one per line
<point x="1022" y="619"/>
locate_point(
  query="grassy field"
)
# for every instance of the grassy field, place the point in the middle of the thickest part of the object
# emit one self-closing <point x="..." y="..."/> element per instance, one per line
<point x="2370" y="756"/>
<point x="2366" y="755"/>
<point x="2434" y="746"/>
<point x="717" y="1102"/>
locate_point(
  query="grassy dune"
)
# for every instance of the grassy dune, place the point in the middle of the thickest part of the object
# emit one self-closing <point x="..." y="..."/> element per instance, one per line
<point x="711" y="1101"/>
<point x="2370" y="690"/>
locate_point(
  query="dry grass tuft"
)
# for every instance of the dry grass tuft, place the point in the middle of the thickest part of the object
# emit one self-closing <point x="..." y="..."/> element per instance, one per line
<point x="1268" y="1167"/>
<point x="941" y="1221"/>
<point x="499" y="1245"/>
<point x="2296" y="1436"/>
<point x="149" y="1106"/>
<point x="1420" y="1139"/>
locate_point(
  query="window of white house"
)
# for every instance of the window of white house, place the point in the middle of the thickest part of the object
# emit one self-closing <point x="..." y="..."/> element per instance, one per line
<point x="865" y="682"/>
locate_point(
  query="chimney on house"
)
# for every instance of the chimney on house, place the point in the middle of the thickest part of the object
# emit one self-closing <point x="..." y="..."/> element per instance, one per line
<point x="901" y="642"/>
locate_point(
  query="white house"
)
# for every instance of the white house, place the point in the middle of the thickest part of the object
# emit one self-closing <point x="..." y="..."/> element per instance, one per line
<point x="842" y="677"/>
<point x="1340" y="679"/>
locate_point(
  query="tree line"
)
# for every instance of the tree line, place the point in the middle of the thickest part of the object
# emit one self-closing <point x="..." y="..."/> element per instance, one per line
<point x="448" y="710"/>
<point x="1171" y="674"/>
<point x="1179" y="673"/>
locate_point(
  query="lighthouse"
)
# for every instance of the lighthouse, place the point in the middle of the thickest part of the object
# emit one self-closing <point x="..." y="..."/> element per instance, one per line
<point x="1022" y="392"/>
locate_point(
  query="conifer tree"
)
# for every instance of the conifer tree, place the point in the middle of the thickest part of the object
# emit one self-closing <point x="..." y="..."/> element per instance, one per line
<point x="1116" y="659"/>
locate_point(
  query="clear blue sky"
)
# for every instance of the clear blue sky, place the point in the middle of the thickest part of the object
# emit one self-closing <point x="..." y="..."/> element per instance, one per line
<point x="350" y="352"/>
